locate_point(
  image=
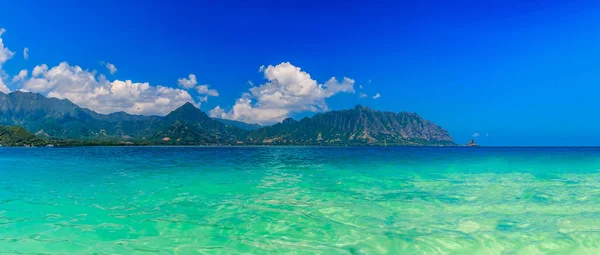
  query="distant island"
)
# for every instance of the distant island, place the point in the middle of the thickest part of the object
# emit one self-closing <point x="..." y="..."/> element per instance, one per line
<point x="37" y="121"/>
<point x="472" y="143"/>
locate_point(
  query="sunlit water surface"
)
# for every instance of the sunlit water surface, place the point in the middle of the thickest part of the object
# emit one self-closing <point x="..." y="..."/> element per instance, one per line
<point x="299" y="200"/>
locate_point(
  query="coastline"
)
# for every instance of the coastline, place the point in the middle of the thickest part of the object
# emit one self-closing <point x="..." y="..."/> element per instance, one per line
<point x="309" y="146"/>
<point x="232" y="145"/>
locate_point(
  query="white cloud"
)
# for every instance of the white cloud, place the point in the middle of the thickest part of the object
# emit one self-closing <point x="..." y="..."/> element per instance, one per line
<point x="36" y="85"/>
<point x="251" y="83"/>
<point x="26" y="53"/>
<point x="360" y="86"/>
<point x="217" y="112"/>
<point x="89" y="90"/>
<point x="188" y="83"/>
<point x="21" y="76"/>
<point x="3" y="87"/>
<point x="191" y="81"/>
<point x="476" y="135"/>
<point x="5" y="55"/>
<point x="288" y="89"/>
<point x="39" y="70"/>
<point x="204" y="90"/>
<point x="261" y="68"/>
<point x="362" y="95"/>
<point x="111" y="68"/>
<point x="377" y="95"/>
<point x="332" y="86"/>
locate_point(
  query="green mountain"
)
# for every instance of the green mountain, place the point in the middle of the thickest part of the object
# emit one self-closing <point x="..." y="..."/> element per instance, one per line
<point x="56" y="118"/>
<point x="239" y="124"/>
<point x="189" y="125"/>
<point x="358" y="126"/>
<point x="61" y="120"/>
<point x="18" y="136"/>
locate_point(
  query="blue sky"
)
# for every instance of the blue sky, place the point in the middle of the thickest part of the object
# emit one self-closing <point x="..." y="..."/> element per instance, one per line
<point x="522" y="73"/>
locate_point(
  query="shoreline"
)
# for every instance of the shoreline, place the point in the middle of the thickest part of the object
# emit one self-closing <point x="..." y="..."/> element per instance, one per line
<point x="309" y="146"/>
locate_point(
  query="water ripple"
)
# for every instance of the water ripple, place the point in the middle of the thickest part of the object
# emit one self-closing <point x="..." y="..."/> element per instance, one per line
<point x="255" y="200"/>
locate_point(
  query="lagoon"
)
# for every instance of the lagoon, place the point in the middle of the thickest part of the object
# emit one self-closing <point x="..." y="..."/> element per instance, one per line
<point x="299" y="200"/>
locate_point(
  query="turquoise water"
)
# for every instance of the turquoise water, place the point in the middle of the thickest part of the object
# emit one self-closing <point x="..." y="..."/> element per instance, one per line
<point x="299" y="200"/>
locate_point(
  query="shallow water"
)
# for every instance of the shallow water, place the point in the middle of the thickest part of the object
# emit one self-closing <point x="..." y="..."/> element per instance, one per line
<point x="299" y="200"/>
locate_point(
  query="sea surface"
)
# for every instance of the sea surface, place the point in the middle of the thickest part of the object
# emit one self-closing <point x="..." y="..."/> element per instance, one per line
<point x="299" y="200"/>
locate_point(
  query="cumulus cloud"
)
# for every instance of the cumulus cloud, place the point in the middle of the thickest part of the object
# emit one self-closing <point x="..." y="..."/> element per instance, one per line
<point x="251" y="83"/>
<point x="88" y="89"/>
<point x="261" y="68"/>
<point x="377" y="95"/>
<point x="36" y="85"/>
<point x="21" y="76"/>
<point x="188" y="83"/>
<point x="217" y="112"/>
<point x="3" y="87"/>
<point x="39" y="70"/>
<point x="288" y="89"/>
<point x="26" y="53"/>
<point x="362" y="95"/>
<point x="111" y="68"/>
<point x="332" y="86"/>
<point x="5" y="55"/>
<point x="204" y="90"/>
<point x="191" y="82"/>
<point x="96" y="92"/>
<point x="476" y="135"/>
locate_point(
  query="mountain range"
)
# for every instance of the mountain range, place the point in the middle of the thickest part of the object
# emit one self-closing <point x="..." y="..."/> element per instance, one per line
<point x="53" y="118"/>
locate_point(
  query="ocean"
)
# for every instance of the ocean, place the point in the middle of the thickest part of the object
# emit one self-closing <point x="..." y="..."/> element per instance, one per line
<point x="299" y="200"/>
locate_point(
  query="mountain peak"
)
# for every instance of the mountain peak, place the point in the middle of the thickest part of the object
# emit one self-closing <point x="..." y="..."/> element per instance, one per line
<point x="188" y="112"/>
<point x="187" y="105"/>
<point x="361" y="108"/>
<point x="288" y="121"/>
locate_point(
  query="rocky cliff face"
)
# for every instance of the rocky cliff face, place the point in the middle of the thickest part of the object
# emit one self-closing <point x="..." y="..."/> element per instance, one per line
<point x="356" y="126"/>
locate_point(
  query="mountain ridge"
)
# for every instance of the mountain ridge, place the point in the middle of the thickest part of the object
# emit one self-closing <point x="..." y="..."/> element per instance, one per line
<point x="188" y="125"/>
<point x="357" y="126"/>
<point x="239" y="124"/>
